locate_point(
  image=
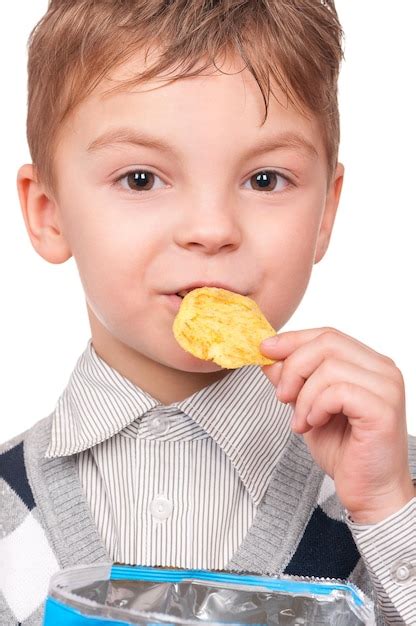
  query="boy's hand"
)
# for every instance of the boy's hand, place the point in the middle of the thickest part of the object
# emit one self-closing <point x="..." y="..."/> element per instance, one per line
<point x="349" y="403"/>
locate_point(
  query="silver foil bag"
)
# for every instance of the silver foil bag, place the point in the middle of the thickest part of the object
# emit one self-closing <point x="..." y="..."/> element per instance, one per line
<point x="115" y="595"/>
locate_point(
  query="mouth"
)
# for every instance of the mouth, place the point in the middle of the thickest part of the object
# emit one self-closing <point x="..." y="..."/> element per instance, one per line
<point x="181" y="293"/>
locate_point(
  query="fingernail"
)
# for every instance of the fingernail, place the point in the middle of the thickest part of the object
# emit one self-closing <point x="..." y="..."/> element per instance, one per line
<point x="270" y="342"/>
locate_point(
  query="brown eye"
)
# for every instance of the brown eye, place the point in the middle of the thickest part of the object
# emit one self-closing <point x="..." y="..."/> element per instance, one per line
<point x="269" y="180"/>
<point x="140" y="180"/>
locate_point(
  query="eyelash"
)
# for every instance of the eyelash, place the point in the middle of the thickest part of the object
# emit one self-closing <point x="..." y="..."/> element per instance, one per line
<point x="289" y="182"/>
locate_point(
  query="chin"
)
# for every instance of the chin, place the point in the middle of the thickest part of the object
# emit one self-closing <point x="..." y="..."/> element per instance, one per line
<point x="186" y="362"/>
<point x="195" y="365"/>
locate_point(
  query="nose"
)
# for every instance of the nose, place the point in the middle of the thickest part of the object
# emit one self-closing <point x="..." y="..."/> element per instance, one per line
<point x="210" y="225"/>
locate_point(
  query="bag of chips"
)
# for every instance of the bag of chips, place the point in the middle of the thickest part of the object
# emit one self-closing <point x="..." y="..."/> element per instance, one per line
<point x="116" y="595"/>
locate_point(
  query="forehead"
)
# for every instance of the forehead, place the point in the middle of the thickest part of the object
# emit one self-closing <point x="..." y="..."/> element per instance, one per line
<point x="201" y="107"/>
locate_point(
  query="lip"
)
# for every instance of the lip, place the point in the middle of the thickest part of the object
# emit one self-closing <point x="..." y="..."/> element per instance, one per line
<point x="174" y="301"/>
<point x="219" y="285"/>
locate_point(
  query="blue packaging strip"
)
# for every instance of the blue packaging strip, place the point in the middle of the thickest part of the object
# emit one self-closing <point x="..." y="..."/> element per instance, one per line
<point x="138" y="572"/>
<point x="57" y="613"/>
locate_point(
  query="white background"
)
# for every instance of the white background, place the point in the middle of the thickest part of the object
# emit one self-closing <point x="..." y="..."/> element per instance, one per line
<point x="363" y="286"/>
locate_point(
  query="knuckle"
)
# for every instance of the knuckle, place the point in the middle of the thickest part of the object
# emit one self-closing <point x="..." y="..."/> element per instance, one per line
<point x="393" y="372"/>
<point x="328" y="329"/>
<point x="329" y="333"/>
<point x="397" y="391"/>
<point x="398" y="376"/>
<point x="398" y="399"/>
<point x="390" y="414"/>
<point x="345" y="387"/>
<point x="327" y="339"/>
<point x="389" y="361"/>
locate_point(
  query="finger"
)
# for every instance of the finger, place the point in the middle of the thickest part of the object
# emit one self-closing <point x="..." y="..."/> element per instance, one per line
<point x="287" y="342"/>
<point x="335" y="371"/>
<point x="300" y="364"/>
<point x="273" y="372"/>
<point x="362" y="407"/>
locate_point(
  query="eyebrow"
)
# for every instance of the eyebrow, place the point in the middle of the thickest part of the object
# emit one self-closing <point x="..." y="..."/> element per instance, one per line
<point x="136" y="137"/>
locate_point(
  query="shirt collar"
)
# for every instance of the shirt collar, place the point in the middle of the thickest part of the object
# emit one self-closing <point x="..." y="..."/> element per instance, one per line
<point x="240" y="412"/>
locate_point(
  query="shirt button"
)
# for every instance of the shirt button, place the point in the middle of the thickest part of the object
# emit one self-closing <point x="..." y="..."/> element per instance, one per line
<point x="159" y="426"/>
<point x="403" y="572"/>
<point x="161" y="508"/>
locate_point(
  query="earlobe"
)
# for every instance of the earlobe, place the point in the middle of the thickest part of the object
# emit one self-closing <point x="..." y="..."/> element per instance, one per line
<point x="328" y="218"/>
<point x="321" y="247"/>
<point x="40" y="214"/>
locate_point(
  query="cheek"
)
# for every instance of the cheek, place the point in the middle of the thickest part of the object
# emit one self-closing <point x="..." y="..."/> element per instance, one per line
<point x="288" y="244"/>
<point x="111" y="263"/>
<point x="115" y="276"/>
<point x="287" y="258"/>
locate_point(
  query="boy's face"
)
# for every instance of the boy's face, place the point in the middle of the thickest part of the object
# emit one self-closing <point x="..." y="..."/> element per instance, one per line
<point x="206" y="211"/>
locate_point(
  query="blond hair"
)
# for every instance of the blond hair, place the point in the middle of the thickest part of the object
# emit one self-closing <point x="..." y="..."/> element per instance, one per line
<point x="78" y="42"/>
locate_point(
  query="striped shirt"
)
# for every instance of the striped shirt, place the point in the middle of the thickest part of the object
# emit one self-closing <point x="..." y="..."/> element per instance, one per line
<point x="300" y="527"/>
<point x="170" y="485"/>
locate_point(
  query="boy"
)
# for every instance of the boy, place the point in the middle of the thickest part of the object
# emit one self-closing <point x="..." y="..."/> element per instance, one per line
<point x="157" y="186"/>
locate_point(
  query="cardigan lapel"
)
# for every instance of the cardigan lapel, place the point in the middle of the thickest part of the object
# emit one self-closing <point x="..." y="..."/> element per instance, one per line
<point x="267" y="548"/>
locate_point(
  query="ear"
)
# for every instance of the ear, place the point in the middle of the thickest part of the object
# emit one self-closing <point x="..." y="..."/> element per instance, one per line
<point x="41" y="216"/>
<point x="328" y="218"/>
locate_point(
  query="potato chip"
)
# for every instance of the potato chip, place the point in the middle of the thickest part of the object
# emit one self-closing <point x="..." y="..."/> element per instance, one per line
<point x="219" y="325"/>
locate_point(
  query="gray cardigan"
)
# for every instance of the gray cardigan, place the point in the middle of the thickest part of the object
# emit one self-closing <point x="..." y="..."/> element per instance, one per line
<point x="290" y="533"/>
